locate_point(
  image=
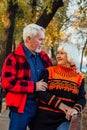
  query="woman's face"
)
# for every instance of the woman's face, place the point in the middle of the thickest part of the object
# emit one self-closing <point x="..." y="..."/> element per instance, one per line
<point x="62" y="58"/>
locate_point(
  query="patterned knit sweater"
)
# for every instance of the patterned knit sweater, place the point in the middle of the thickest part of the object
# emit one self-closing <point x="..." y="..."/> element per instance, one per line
<point x="64" y="85"/>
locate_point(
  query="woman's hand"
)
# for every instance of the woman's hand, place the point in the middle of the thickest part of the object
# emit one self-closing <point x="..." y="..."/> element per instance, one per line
<point x="67" y="110"/>
<point x="64" y="107"/>
<point x="70" y="113"/>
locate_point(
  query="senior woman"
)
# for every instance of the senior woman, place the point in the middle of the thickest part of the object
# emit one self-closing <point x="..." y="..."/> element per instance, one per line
<point x="65" y="94"/>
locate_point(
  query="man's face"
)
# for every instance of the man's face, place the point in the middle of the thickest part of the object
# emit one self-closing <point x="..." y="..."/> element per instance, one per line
<point x="36" y="43"/>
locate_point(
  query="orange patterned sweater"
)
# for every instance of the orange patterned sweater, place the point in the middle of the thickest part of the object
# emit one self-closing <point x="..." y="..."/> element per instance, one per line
<point x="64" y="85"/>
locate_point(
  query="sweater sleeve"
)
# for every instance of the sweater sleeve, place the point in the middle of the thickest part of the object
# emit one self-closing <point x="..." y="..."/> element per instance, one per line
<point x="46" y="96"/>
<point x="81" y="100"/>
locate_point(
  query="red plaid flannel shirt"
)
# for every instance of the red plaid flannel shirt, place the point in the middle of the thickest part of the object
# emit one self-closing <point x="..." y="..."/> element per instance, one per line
<point x="15" y="77"/>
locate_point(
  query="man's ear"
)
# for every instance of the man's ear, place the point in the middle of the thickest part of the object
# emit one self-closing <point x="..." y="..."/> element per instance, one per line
<point x="28" y="38"/>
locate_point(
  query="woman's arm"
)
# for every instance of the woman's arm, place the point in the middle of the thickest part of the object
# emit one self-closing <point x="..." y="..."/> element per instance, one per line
<point x="81" y="100"/>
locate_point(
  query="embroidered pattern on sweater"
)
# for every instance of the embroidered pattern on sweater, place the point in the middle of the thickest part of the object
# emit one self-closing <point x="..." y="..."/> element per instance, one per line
<point x="63" y="85"/>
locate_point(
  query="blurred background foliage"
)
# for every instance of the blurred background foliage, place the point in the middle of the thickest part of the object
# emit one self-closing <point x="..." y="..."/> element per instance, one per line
<point x="15" y="14"/>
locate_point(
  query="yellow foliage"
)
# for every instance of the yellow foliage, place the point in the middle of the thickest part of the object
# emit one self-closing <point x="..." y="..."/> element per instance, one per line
<point x="5" y="21"/>
<point x="62" y="33"/>
<point x="22" y="3"/>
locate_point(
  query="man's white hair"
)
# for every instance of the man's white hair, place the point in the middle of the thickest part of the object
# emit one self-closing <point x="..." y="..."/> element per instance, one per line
<point x="72" y="53"/>
<point x="31" y="30"/>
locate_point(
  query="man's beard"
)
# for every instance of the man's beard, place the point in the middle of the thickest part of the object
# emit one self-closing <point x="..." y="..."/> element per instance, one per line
<point x="38" y="50"/>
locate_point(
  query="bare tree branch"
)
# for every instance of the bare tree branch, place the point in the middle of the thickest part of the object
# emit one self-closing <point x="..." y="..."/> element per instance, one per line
<point x="45" y="18"/>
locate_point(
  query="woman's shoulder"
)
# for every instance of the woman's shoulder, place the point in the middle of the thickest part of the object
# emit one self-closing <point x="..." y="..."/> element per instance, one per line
<point x="50" y="68"/>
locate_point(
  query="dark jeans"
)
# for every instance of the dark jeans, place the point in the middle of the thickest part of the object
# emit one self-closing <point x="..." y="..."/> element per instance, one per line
<point x="64" y="126"/>
<point x="20" y="121"/>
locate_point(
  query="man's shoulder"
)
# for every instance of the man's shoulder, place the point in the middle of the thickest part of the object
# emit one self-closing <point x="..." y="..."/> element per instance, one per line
<point x="45" y="54"/>
<point x="10" y="58"/>
<point x="10" y="55"/>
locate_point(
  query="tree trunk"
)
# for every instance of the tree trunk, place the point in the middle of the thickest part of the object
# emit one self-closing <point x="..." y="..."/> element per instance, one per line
<point x="45" y="18"/>
<point x="82" y="55"/>
<point x="9" y="29"/>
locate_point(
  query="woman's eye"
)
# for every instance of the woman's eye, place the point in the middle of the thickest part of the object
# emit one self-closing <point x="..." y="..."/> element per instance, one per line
<point x="60" y="53"/>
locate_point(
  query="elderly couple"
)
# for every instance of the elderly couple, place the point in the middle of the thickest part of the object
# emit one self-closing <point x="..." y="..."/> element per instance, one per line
<point x="40" y="95"/>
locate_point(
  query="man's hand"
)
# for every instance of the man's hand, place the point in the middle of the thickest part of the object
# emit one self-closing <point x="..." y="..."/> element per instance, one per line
<point x="41" y="86"/>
